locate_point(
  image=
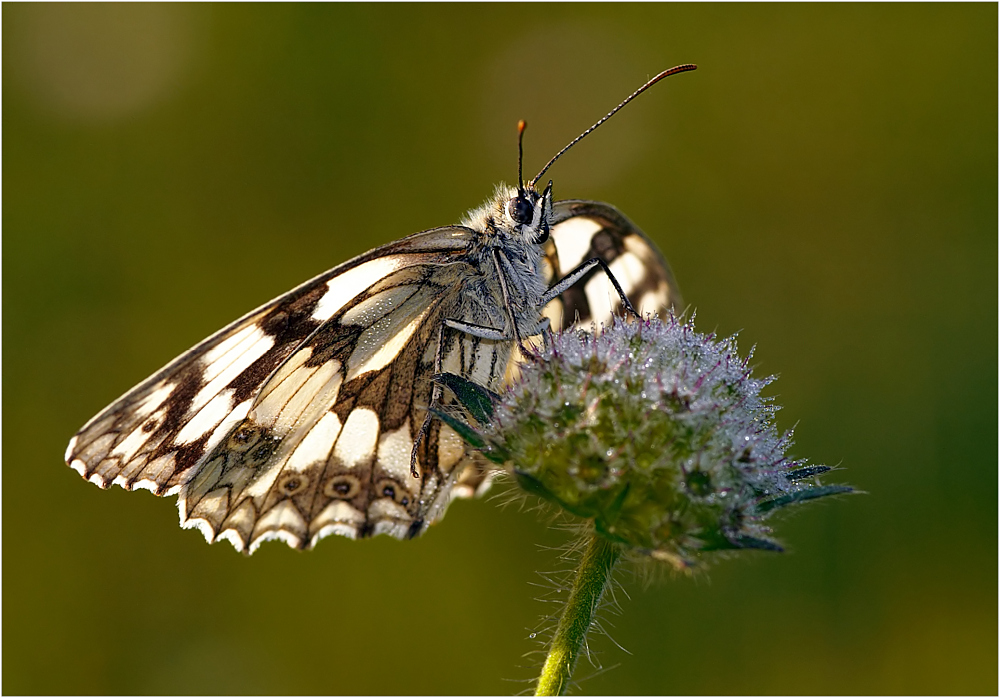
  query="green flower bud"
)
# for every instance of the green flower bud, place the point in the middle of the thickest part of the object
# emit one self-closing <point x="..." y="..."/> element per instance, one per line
<point x="656" y="433"/>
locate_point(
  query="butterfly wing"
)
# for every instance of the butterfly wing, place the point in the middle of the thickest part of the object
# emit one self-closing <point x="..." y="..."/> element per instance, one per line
<point x="584" y="230"/>
<point x="298" y="419"/>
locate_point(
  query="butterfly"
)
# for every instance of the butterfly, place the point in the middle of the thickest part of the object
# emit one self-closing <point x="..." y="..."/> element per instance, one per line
<point x="313" y="414"/>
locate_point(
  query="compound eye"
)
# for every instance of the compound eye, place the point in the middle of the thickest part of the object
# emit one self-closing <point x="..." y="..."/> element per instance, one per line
<point x="520" y="210"/>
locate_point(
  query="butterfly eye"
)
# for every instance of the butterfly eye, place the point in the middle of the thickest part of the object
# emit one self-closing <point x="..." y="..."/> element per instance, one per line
<point x="520" y="210"/>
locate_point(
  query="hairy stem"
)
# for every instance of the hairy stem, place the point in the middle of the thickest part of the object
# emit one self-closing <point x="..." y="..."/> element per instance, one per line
<point x="591" y="581"/>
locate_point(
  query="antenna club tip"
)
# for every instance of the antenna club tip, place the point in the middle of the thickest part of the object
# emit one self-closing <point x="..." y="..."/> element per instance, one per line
<point x="683" y="68"/>
<point x="521" y="125"/>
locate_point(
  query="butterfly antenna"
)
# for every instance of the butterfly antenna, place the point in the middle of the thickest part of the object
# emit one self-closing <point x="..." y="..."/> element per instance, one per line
<point x="521" y="125"/>
<point x="665" y="74"/>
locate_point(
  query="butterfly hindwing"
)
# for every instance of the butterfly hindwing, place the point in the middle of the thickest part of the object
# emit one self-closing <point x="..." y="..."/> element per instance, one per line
<point x="584" y="230"/>
<point x="293" y="422"/>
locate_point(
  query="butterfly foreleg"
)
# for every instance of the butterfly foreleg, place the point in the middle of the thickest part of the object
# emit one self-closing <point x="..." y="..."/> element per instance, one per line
<point x="574" y="276"/>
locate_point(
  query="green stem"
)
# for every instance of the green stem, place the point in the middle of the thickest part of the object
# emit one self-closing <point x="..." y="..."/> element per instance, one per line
<point x="584" y="599"/>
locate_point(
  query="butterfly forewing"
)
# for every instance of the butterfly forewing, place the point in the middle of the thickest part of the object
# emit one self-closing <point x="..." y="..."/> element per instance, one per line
<point x="589" y="229"/>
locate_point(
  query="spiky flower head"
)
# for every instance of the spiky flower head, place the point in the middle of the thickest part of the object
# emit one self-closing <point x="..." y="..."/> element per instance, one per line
<point x="655" y="432"/>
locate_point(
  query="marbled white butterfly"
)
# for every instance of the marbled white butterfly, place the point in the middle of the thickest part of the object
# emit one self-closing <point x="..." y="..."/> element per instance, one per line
<point x="309" y="415"/>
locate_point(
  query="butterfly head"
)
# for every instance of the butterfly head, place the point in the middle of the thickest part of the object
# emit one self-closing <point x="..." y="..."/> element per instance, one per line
<point x="529" y="213"/>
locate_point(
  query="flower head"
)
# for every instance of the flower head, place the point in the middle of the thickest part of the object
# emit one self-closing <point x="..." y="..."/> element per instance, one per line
<point x="656" y="433"/>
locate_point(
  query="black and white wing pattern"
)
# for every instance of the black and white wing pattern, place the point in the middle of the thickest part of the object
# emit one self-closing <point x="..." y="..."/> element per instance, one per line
<point x="298" y="420"/>
<point x="584" y="230"/>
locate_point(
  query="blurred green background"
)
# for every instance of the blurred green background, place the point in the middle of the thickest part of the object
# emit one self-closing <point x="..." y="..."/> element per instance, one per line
<point x="825" y="184"/>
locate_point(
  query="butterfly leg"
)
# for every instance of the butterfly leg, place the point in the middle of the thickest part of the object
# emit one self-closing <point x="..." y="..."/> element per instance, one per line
<point x="545" y="329"/>
<point x="480" y="331"/>
<point x="574" y="276"/>
<point x="491" y="333"/>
